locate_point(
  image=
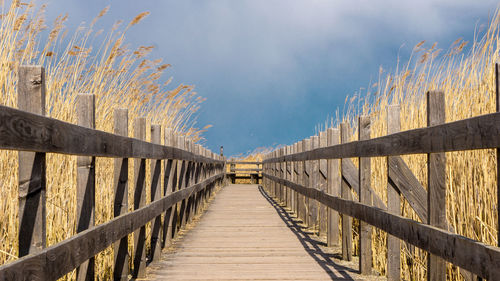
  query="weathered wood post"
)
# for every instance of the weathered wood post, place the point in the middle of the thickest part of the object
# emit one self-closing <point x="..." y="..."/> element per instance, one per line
<point x="346" y="194"/>
<point x="286" y="176"/>
<point x="32" y="169"/>
<point x="189" y="181"/>
<point x="313" y="183"/>
<point x="305" y="182"/>
<point x="323" y="176"/>
<point x="293" y="194"/>
<point x="170" y="185"/>
<point x="182" y="183"/>
<point x="393" y="202"/>
<point x="365" y="197"/>
<point x="436" y="190"/>
<point x="300" y="180"/>
<point x="85" y="182"/>
<point x="294" y="180"/>
<point x="155" y="195"/>
<point x="198" y="178"/>
<point x="232" y="168"/>
<point x="120" y="179"/>
<point x="497" y="93"/>
<point x="276" y="174"/>
<point x="281" y="176"/>
<point x="334" y="182"/>
<point x="289" y="178"/>
<point x="139" y="201"/>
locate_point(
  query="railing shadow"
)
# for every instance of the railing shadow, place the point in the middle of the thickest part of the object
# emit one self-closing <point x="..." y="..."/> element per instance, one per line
<point x="310" y="245"/>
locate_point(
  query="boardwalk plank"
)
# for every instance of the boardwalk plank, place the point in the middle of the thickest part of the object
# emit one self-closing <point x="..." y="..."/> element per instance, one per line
<point x="245" y="236"/>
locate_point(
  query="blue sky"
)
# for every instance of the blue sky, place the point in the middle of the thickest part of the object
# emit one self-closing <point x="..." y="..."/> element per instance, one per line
<point x="273" y="70"/>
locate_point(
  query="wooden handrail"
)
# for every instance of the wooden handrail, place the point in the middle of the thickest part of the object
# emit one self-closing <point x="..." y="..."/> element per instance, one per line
<point x="20" y="130"/>
<point x="59" y="259"/>
<point x="481" y="132"/>
<point x="243" y="163"/>
<point x="477" y="257"/>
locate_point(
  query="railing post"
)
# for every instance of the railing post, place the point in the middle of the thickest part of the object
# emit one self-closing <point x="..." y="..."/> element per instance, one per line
<point x="365" y="197"/>
<point x="497" y="107"/>
<point x="155" y="195"/>
<point x="85" y="182"/>
<point x="276" y="174"/>
<point x="293" y="194"/>
<point x="313" y="183"/>
<point x="139" y="201"/>
<point x="287" y="177"/>
<point x="334" y="182"/>
<point x="170" y="185"/>
<point x="300" y="180"/>
<point x="198" y="178"/>
<point x="293" y="177"/>
<point x="305" y="181"/>
<point x="346" y="194"/>
<point x="120" y="179"/>
<point x="281" y="171"/>
<point x="436" y="190"/>
<point x="393" y="202"/>
<point x="32" y="169"/>
<point x="182" y="183"/>
<point x="189" y="181"/>
<point x="322" y="184"/>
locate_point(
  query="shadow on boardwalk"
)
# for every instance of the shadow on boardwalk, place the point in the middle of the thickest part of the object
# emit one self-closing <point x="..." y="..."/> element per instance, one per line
<point x="312" y="246"/>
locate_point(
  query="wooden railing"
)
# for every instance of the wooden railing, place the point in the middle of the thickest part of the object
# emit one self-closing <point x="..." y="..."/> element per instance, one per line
<point x="190" y="176"/>
<point x="315" y="177"/>
<point x="254" y="174"/>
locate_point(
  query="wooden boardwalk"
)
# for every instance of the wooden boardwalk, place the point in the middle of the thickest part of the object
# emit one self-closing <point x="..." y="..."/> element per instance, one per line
<point x="244" y="235"/>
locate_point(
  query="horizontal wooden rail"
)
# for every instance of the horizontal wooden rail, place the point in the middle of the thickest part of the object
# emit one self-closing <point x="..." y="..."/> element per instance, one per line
<point x="55" y="261"/>
<point x="246" y="170"/>
<point x="243" y="163"/>
<point x="481" y="132"/>
<point x="474" y="256"/>
<point x="20" y="130"/>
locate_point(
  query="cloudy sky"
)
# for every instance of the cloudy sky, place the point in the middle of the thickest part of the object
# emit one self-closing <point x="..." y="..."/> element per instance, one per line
<point x="272" y="70"/>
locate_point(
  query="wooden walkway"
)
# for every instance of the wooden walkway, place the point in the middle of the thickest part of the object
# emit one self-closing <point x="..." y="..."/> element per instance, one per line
<point x="244" y="235"/>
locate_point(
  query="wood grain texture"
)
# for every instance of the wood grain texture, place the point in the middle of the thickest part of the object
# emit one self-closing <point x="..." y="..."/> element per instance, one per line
<point x="346" y="194"/>
<point x="333" y="188"/>
<point x="21" y="130"/>
<point x="322" y="185"/>
<point x="474" y="256"/>
<point x="393" y="197"/>
<point x="436" y="188"/>
<point x="314" y="182"/>
<point x="85" y="182"/>
<point x="301" y="208"/>
<point x="305" y="181"/>
<point x="139" y="264"/>
<point x="170" y="185"/>
<point x="497" y="107"/>
<point x="228" y="243"/>
<point x="155" y="177"/>
<point x="479" y="132"/>
<point x="365" y="197"/>
<point x="32" y="166"/>
<point x="55" y="261"/>
<point x="244" y="162"/>
<point x="350" y="175"/>
<point x="120" y="176"/>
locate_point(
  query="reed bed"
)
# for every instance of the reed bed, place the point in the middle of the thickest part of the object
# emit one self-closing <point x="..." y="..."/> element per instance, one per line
<point x="88" y="61"/>
<point x="465" y="72"/>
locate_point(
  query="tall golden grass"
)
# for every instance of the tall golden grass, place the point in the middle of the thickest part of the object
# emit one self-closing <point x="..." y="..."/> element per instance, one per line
<point x="465" y="72"/>
<point x="88" y="61"/>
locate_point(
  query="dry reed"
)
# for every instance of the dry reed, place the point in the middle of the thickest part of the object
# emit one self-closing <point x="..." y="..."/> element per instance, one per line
<point x="467" y="79"/>
<point x="88" y="62"/>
